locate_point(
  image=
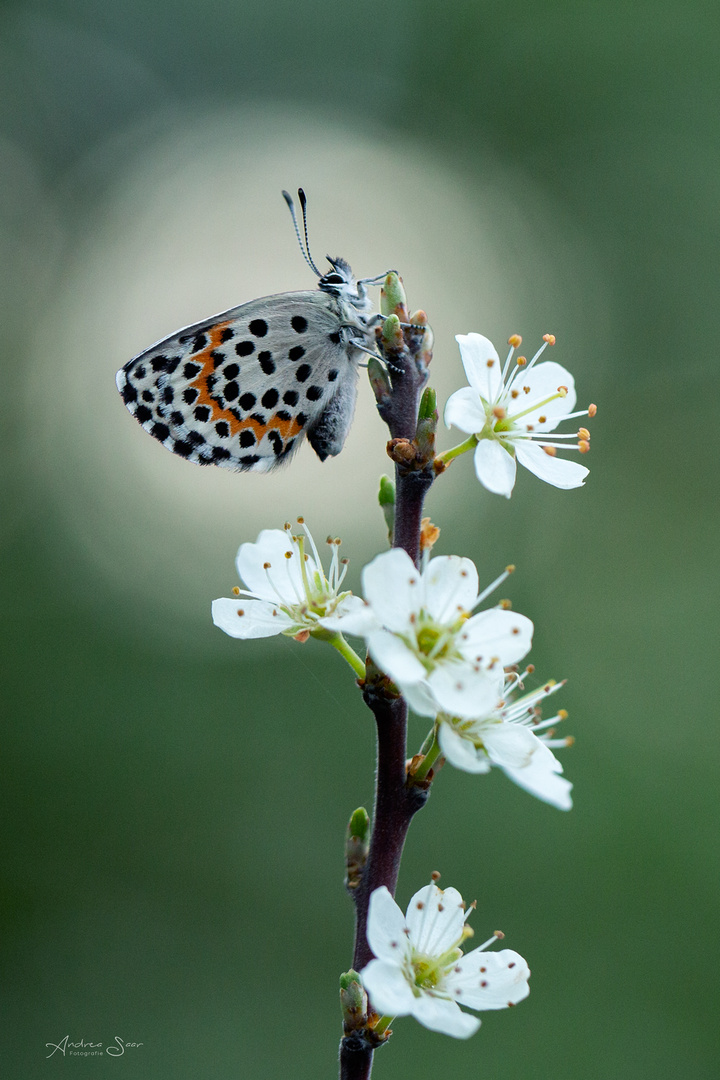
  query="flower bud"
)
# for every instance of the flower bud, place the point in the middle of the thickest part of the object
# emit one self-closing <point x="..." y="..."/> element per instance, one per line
<point x="379" y="380"/>
<point x="392" y="333"/>
<point x="386" y="499"/>
<point x="357" y="842"/>
<point x="392" y="297"/>
<point x="353" y="1001"/>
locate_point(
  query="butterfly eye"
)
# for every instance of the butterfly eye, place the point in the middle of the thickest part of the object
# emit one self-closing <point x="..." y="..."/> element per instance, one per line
<point x="333" y="279"/>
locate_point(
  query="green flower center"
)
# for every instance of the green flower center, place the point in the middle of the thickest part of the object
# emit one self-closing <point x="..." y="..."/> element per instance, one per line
<point x="434" y="642"/>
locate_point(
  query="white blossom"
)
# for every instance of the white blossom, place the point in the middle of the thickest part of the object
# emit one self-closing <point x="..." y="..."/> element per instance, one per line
<point x="511" y="413"/>
<point x="441" y="656"/>
<point x="513" y="737"/>
<point x="419" y="968"/>
<point x="287" y="590"/>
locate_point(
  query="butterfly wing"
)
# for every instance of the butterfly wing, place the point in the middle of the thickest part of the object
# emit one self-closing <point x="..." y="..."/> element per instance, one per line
<point x="241" y="389"/>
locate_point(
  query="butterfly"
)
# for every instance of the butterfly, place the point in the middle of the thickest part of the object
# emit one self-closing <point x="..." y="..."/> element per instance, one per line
<point x="243" y="388"/>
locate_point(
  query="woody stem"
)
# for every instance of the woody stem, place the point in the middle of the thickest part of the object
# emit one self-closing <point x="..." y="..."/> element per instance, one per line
<point x="395" y="801"/>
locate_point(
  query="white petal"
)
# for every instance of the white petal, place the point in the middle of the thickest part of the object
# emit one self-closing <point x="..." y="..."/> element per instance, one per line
<point x="394" y="657"/>
<point x="259" y="618"/>
<point x="450" y="587"/>
<point x="495" y="467"/>
<point x="543" y="381"/>
<point x="542" y="780"/>
<point x="461" y="690"/>
<point x="439" y="1014"/>
<point x="387" y="933"/>
<point x="435" y="918"/>
<point x="489" y="980"/>
<point x="460" y="752"/>
<point x="387" y="988"/>
<point x="392" y="588"/>
<point x="559" y="472"/>
<point x="420" y="698"/>
<point x="283" y="579"/>
<point x="481" y="363"/>
<point x="464" y="410"/>
<point x="511" y="745"/>
<point x="352" y="616"/>
<point x="496" y="634"/>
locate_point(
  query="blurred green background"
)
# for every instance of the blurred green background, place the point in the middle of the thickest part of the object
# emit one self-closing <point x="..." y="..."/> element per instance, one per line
<point x="175" y="800"/>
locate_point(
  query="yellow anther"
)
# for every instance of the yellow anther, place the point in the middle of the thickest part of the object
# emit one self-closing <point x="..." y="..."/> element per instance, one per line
<point x="510" y="568"/>
<point x="562" y="391"/>
<point x="550" y="451"/>
<point x="583" y="446"/>
<point x="530" y="669"/>
<point x="521" y="361"/>
<point x="592" y="409"/>
<point x="583" y="433"/>
<point x="542" y="419"/>
<point x="514" y="393"/>
<point x="490" y="363"/>
<point x="499" y="413"/>
<point x="429" y="534"/>
<point x="562" y="714"/>
<point x="288" y="554"/>
<point x="506" y="605"/>
<point x="550" y="338"/>
<point x="435" y="875"/>
<point x="236" y="590"/>
<point x="515" y="340"/>
<point x="301" y="521"/>
<point x="266" y="565"/>
<point x="240" y="612"/>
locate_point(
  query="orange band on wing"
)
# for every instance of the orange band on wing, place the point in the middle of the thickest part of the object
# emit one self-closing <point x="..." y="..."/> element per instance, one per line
<point x="287" y="429"/>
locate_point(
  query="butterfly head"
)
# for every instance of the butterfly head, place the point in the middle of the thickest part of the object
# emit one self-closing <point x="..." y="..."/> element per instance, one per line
<point x="340" y="281"/>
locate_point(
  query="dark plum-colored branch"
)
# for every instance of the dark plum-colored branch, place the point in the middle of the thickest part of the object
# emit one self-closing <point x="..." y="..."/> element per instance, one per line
<point x="398" y="387"/>
<point x="395" y="804"/>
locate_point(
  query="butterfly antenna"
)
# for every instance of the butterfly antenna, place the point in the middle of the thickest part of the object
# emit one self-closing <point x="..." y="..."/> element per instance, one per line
<point x="303" y="204"/>
<point x="291" y="207"/>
